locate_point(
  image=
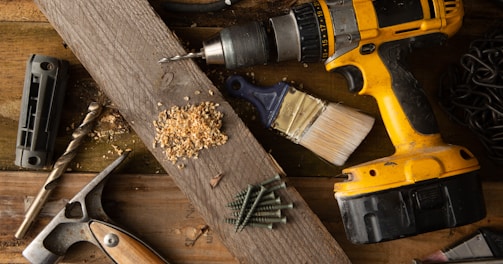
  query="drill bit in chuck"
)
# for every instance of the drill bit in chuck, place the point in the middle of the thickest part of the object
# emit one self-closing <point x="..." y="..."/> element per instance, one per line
<point x="191" y="55"/>
<point x="236" y="46"/>
<point x="59" y="168"/>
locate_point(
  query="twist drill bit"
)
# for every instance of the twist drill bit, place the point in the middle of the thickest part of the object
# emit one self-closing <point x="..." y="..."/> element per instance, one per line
<point x="191" y="55"/>
<point x="59" y="168"/>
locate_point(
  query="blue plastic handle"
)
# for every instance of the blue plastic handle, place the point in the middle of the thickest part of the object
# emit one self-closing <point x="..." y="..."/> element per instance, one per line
<point x="267" y="100"/>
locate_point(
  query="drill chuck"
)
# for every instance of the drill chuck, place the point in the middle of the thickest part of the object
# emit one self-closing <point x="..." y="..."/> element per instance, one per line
<point x="238" y="46"/>
<point x="302" y="34"/>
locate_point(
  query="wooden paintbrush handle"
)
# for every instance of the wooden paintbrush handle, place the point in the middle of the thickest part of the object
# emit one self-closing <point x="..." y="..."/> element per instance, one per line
<point x="121" y="246"/>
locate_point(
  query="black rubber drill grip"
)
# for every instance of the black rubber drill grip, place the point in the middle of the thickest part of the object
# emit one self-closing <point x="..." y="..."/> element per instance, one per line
<point x="405" y="86"/>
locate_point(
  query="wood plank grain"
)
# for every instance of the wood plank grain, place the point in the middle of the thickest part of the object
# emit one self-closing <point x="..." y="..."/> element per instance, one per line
<point x="151" y="207"/>
<point x="20" y="39"/>
<point x="20" y="10"/>
<point x="119" y="43"/>
<point x="132" y="200"/>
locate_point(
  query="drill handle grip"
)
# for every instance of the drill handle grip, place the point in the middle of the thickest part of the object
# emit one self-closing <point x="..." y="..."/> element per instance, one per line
<point x="406" y="88"/>
<point x="383" y="74"/>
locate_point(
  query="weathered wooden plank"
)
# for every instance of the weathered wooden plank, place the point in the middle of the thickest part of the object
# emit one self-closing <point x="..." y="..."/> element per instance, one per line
<point x="132" y="199"/>
<point x="150" y="206"/>
<point x="119" y="43"/>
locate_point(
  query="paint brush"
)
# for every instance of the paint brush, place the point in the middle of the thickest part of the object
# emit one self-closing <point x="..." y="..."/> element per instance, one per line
<point x="330" y="130"/>
<point x="484" y="245"/>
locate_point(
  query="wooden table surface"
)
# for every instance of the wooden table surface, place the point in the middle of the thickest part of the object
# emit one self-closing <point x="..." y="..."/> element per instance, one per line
<point x="147" y="201"/>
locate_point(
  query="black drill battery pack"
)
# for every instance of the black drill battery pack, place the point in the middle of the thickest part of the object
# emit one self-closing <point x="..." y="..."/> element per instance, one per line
<point x="413" y="209"/>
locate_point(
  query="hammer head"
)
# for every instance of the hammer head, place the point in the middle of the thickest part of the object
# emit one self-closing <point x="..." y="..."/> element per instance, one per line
<point x="51" y="245"/>
<point x="71" y="224"/>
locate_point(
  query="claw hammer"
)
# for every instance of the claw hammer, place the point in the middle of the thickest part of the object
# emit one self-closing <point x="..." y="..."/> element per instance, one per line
<point x="84" y="219"/>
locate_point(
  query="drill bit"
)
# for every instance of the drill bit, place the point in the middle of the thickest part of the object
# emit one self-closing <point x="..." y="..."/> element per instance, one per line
<point x="59" y="168"/>
<point x="190" y="55"/>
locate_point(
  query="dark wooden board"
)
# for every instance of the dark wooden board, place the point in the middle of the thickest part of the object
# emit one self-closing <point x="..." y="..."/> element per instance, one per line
<point x="132" y="200"/>
<point x="24" y="30"/>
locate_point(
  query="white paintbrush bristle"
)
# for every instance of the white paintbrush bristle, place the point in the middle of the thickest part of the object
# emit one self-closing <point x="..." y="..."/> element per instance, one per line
<point x="337" y="132"/>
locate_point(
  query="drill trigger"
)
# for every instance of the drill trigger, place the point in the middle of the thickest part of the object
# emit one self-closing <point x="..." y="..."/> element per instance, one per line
<point x="353" y="76"/>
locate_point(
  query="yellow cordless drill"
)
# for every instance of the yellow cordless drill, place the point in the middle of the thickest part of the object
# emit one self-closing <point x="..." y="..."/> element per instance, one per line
<point x="426" y="184"/>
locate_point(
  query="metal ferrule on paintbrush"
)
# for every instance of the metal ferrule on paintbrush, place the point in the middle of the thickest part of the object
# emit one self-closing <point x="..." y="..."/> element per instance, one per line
<point x="297" y="113"/>
<point x="332" y="131"/>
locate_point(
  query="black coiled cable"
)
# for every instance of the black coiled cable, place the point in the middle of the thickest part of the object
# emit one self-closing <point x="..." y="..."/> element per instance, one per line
<point x="198" y="8"/>
<point x="472" y="92"/>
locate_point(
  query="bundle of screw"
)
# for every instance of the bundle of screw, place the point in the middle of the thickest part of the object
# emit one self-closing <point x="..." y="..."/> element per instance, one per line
<point x="258" y="206"/>
<point x="472" y="93"/>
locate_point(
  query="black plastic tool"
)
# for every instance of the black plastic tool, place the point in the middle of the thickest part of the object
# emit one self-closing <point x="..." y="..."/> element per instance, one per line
<point x="41" y="105"/>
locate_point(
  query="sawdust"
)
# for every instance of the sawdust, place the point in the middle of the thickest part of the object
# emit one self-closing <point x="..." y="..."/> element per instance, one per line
<point x="183" y="131"/>
<point x="110" y="124"/>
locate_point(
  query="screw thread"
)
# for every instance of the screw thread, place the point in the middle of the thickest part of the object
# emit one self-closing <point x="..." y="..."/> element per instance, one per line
<point x="239" y="202"/>
<point x="274" y="207"/>
<point x="273" y="179"/>
<point x="275" y="213"/>
<point x="261" y="203"/>
<point x="269" y="219"/>
<point x="243" y="209"/>
<point x="251" y="223"/>
<point x="252" y="209"/>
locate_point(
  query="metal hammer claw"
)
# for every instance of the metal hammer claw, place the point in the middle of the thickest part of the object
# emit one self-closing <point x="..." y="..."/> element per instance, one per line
<point x="84" y="219"/>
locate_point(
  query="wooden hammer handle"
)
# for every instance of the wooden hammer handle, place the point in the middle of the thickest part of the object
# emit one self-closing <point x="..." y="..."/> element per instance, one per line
<point x="121" y="246"/>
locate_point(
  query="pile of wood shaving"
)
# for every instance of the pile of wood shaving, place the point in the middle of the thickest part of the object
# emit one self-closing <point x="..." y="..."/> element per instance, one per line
<point x="110" y="125"/>
<point x="184" y="131"/>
